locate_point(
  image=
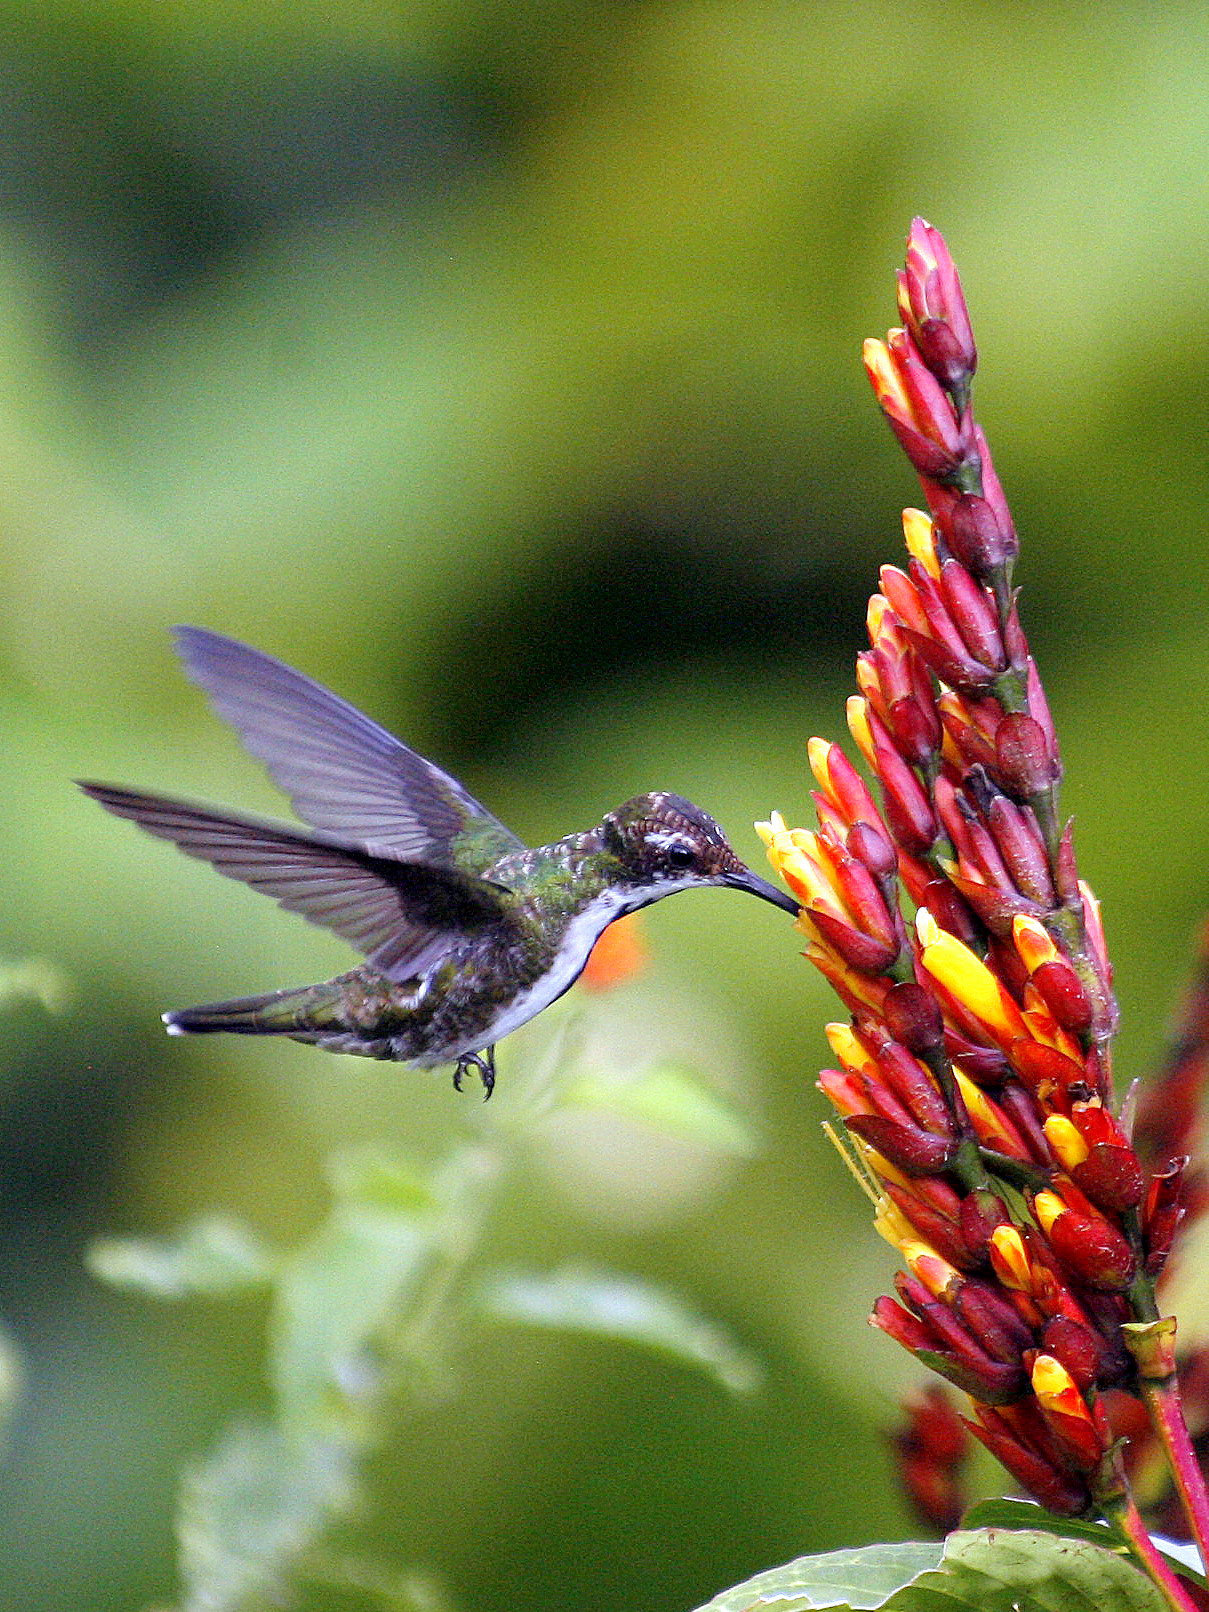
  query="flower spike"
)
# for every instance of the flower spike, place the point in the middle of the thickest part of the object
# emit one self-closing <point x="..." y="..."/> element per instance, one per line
<point x="945" y="907"/>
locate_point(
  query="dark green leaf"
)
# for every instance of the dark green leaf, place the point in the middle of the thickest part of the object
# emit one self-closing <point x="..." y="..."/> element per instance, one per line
<point x="579" y="1298"/>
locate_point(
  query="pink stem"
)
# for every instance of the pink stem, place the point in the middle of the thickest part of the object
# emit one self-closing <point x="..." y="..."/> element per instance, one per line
<point x="1129" y="1520"/>
<point x="1167" y="1417"/>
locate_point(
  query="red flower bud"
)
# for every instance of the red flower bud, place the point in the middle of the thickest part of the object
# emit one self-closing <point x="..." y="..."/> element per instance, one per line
<point x="914" y="1151"/>
<point x="1078" y="1348"/>
<point x="866" y="953"/>
<point x="943" y="1344"/>
<point x="980" y="1213"/>
<point x="933" y="308"/>
<point x="1063" y="994"/>
<point x="992" y="1321"/>
<point x="915" y="404"/>
<point x="871" y="846"/>
<point x="1024" y="760"/>
<point x="1046" y="1478"/>
<point x="1019" y="842"/>
<point x="992" y="491"/>
<point x="1092" y="1250"/>
<point x="931" y="1447"/>
<point x="973" y="614"/>
<point x="906" y="806"/>
<point x="914" y="1018"/>
<point x="975" y="536"/>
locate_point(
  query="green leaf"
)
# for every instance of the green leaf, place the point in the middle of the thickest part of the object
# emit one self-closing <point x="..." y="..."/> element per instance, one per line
<point x="1034" y="1571"/>
<point x="336" y="1298"/>
<point x="987" y="1570"/>
<point x="861" y="1578"/>
<point x="668" y="1098"/>
<point x="211" y="1257"/>
<point x="579" y="1298"/>
<point x="1027" y="1515"/>
<point x="250" y="1510"/>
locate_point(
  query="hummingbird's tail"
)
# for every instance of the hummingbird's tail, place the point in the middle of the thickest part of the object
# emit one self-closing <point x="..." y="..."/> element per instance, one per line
<point x="292" y="1012"/>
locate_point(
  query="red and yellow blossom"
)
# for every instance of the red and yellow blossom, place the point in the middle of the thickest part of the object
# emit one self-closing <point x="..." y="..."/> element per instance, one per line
<point x="974" y="1080"/>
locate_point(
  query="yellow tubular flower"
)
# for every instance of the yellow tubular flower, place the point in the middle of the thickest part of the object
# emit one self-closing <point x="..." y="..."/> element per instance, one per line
<point x="1068" y="1146"/>
<point x="850" y="1049"/>
<point x="1047" y="1206"/>
<point x="891" y="1224"/>
<point x="1010" y="1259"/>
<point x="968" y="979"/>
<point x="857" y="712"/>
<point x="921" y="541"/>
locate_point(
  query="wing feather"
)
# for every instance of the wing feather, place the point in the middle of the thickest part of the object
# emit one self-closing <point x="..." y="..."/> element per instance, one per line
<point x="401" y="915"/>
<point x="342" y="771"/>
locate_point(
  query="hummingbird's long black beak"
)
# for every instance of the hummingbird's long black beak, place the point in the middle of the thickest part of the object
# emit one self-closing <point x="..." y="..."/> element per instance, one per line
<point x="756" y="886"/>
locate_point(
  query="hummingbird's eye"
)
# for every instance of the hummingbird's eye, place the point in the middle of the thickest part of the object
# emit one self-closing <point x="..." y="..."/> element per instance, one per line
<point x="680" y="856"/>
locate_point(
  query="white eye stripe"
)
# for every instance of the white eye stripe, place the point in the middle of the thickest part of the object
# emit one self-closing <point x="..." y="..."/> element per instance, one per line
<point x="663" y="840"/>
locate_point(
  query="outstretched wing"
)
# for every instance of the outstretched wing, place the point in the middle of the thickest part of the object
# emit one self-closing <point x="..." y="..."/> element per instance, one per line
<point x="401" y="915"/>
<point x="342" y="772"/>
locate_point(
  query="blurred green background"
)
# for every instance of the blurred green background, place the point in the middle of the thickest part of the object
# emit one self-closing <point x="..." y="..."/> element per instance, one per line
<point x="499" y="365"/>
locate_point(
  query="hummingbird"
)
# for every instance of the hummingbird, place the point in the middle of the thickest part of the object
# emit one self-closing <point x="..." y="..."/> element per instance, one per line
<point x="466" y="933"/>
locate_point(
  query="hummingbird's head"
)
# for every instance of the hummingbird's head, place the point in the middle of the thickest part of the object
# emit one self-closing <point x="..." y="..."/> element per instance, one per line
<point x="664" y="843"/>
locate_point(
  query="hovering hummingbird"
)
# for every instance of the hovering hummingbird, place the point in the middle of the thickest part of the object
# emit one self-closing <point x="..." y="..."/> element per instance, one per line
<point x="467" y="934"/>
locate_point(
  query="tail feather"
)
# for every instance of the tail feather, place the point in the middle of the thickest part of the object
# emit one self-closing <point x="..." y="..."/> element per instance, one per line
<point x="277" y="1013"/>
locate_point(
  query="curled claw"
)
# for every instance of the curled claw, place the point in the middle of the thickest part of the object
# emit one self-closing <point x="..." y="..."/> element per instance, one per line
<point x="482" y="1064"/>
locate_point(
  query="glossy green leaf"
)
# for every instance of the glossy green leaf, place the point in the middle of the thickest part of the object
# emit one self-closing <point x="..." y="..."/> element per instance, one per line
<point x="984" y="1570"/>
<point x="210" y="1257"/>
<point x="579" y="1298"/>
<point x="250" y="1510"/>
<point x="862" y="1578"/>
<point x="670" y="1099"/>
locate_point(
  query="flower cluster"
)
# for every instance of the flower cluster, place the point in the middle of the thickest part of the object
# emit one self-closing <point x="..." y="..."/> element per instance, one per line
<point x="975" y="1077"/>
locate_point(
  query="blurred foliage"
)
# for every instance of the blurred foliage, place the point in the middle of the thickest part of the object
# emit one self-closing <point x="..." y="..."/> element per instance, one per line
<point x="498" y="365"/>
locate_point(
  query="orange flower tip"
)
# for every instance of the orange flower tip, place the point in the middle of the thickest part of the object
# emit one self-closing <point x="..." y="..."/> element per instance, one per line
<point x="1047" y="1206"/>
<point x="876" y="357"/>
<point x="768" y="831"/>
<point x="924" y="1262"/>
<point x="818" y="754"/>
<point x="967" y="977"/>
<point x="1067" y="1146"/>
<point x="1033" y="942"/>
<point x="1007" y="1245"/>
<point x="619" y="954"/>
<point x="978" y="1104"/>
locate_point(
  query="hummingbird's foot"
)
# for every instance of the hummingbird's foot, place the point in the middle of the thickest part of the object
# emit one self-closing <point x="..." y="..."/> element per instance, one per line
<point x="484" y="1067"/>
